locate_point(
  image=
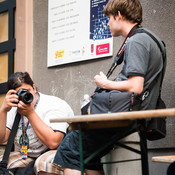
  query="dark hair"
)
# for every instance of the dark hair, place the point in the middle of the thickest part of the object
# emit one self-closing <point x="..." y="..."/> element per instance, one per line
<point x="131" y="10"/>
<point x="17" y="79"/>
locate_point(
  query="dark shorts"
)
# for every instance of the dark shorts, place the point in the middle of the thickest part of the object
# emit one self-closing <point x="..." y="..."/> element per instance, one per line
<point x="68" y="152"/>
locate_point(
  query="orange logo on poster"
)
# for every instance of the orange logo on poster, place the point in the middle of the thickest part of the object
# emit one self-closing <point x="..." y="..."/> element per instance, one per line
<point x="59" y="54"/>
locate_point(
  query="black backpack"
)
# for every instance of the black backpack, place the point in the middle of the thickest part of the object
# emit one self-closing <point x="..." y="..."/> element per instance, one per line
<point x="156" y="127"/>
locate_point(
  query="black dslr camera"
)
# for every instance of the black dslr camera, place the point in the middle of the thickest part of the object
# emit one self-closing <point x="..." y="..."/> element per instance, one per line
<point x="25" y="96"/>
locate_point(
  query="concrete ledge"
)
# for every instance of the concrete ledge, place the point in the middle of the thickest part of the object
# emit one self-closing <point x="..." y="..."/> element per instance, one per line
<point x="164" y="159"/>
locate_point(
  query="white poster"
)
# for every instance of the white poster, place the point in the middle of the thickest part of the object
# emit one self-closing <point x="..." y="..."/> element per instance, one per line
<point x="77" y="31"/>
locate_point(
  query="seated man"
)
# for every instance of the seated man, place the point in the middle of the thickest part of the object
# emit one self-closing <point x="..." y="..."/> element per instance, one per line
<point x="142" y="62"/>
<point x="34" y="131"/>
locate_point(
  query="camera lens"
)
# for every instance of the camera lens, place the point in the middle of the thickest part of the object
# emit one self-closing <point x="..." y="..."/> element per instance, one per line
<point x="25" y="96"/>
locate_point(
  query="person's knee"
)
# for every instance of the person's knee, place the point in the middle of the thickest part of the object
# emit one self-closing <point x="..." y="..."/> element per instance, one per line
<point x="68" y="171"/>
<point x="95" y="172"/>
<point x="45" y="173"/>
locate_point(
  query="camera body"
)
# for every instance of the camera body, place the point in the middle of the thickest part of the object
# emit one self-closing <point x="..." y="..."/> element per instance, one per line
<point x="25" y="96"/>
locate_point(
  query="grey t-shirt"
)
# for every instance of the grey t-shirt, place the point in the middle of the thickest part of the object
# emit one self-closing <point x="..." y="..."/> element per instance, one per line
<point x="142" y="57"/>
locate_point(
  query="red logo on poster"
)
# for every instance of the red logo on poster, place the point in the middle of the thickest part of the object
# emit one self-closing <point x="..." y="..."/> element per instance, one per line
<point x="102" y="49"/>
<point x="92" y="48"/>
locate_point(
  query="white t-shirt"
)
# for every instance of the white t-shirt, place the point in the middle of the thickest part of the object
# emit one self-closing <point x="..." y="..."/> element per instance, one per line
<point x="47" y="107"/>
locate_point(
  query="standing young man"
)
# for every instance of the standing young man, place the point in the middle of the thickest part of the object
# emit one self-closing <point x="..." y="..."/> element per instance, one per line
<point x="142" y="63"/>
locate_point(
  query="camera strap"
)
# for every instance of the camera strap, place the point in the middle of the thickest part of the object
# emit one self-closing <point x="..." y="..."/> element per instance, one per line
<point x="120" y="54"/>
<point x="10" y="141"/>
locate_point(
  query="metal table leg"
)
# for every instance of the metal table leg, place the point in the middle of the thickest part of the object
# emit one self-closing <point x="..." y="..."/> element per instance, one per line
<point x="144" y="153"/>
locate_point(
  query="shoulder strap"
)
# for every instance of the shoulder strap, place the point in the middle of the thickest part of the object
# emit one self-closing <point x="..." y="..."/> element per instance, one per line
<point x="162" y="48"/>
<point x="10" y="141"/>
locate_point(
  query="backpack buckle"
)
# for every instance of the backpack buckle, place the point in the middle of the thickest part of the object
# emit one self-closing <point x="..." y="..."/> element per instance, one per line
<point x="145" y="95"/>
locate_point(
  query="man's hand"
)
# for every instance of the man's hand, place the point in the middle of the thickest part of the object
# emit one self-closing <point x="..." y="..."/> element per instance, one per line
<point x="11" y="100"/>
<point x="26" y="109"/>
<point x="100" y="80"/>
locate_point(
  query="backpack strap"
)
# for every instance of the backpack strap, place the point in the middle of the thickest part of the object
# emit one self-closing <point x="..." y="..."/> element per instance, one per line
<point x="162" y="48"/>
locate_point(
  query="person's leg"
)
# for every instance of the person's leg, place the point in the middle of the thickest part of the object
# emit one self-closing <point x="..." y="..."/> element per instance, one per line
<point x="93" y="172"/>
<point x="44" y="166"/>
<point x="45" y="173"/>
<point x="68" y="154"/>
<point x="68" y="171"/>
<point x="15" y="160"/>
